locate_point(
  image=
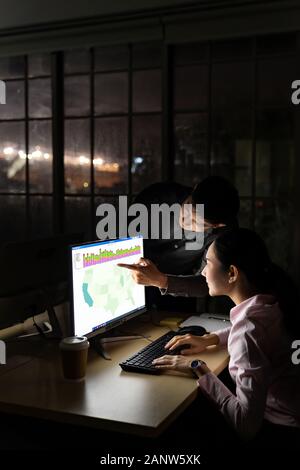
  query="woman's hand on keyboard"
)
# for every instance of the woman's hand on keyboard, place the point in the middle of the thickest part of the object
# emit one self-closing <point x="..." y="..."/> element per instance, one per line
<point x="194" y="344"/>
<point x="178" y="363"/>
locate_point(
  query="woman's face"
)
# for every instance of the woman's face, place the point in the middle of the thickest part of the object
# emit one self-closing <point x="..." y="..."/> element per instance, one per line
<point x="217" y="279"/>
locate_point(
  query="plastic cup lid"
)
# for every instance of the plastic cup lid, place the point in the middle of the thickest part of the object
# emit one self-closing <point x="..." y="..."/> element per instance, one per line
<point x="74" y="343"/>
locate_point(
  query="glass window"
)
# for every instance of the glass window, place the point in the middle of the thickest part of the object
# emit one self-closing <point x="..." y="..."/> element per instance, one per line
<point x="275" y="155"/>
<point x="274" y="224"/>
<point x="15" y="101"/>
<point x="191" y="161"/>
<point x="111" y="58"/>
<point x="12" y="67"/>
<point x="40" y="99"/>
<point x="276" y="44"/>
<point x="39" y="65"/>
<point x="77" y="96"/>
<point x="194" y="53"/>
<point x="245" y="213"/>
<point x="77" y="156"/>
<point x="111" y="155"/>
<point x="232" y="85"/>
<point x="146" y="91"/>
<point x="238" y="48"/>
<point x="13" y="218"/>
<point x="77" y="61"/>
<point x="114" y="201"/>
<point x="191" y="87"/>
<point x="231" y="155"/>
<point x="111" y="93"/>
<point x="78" y="215"/>
<point x="12" y="156"/>
<point x="146" y="159"/>
<point x="146" y="55"/>
<point x="275" y="77"/>
<point x="41" y="216"/>
<point x="40" y="156"/>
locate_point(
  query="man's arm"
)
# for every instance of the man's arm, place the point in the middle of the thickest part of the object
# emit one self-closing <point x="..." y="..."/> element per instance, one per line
<point x="186" y="286"/>
<point x="146" y="273"/>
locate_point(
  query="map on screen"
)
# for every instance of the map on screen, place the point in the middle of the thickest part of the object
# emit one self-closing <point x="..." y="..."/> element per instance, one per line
<point x="102" y="291"/>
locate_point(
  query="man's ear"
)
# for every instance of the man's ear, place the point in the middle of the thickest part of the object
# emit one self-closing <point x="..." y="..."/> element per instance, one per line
<point x="233" y="274"/>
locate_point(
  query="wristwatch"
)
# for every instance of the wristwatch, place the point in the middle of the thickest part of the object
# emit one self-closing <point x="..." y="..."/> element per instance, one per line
<point x="196" y="366"/>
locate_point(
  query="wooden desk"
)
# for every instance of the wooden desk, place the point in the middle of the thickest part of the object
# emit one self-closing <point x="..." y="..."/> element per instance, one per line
<point x="109" y="398"/>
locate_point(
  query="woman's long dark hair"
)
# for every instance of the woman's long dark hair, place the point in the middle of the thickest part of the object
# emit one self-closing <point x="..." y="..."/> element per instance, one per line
<point x="246" y="250"/>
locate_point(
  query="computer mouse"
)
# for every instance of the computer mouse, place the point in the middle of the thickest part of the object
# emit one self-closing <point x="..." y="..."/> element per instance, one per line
<point x="192" y="330"/>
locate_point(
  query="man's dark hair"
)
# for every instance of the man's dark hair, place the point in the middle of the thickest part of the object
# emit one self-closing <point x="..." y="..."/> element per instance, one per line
<point x="220" y="198"/>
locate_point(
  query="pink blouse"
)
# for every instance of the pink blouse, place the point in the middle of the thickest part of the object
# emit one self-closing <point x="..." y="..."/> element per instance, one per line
<point x="267" y="382"/>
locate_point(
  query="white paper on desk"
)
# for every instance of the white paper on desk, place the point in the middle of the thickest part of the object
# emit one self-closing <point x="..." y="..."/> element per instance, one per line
<point x="211" y="322"/>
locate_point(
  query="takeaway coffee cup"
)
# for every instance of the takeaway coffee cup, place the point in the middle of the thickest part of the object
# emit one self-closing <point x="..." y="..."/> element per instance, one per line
<point x="74" y="353"/>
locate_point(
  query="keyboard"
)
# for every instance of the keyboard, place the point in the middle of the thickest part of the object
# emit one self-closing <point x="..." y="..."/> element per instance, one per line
<point x="142" y="360"/>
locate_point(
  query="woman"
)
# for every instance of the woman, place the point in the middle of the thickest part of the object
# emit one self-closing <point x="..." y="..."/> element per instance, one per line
<point x="265" y="321"/>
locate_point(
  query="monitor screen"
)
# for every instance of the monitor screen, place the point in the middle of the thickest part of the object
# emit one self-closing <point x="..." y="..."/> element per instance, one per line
<point x="105" y="294"/>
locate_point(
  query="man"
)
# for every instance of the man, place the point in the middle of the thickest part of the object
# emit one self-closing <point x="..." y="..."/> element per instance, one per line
<point x="221" y="207"/>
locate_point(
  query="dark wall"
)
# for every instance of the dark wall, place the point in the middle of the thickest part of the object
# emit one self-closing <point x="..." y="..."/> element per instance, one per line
<point x="16" y="13"/>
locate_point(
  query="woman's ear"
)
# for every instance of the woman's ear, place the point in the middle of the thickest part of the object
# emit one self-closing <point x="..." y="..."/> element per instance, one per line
<point x="232" y="274"/>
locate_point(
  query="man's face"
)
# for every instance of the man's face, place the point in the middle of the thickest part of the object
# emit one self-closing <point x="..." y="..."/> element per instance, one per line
<point x="190" y="220"/>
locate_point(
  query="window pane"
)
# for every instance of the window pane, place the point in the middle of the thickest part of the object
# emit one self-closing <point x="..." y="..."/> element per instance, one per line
<point x="15" y="101"/>
<point x="274" y="224"/>
<point x="78" y="215"/>
<point x="245" y="219"/>
<point x="77" y="156"/>
<point x="146" y="55"/>
<point x="275" y="156"/>
<point x="40" y="156"/>
<point x="191" y="87"/>
<point x="77" y="61"/>
<point x="39" y="65"/>
<point x="114" y="201"/>
<point x="231" y="85"/>
<point x="12" y="67"/>
<point x="275" y="77"/>
<point x="77" y="96"/>
<point x="190" y="53"/>
<point x="146" y="90"/>
<point x="12" y="156"/>
<point x="232" y="149"/>
<point x="111" y="58"/>
<point x="40" y="105"/>
<point x="111" y="155"/>
<point x="276" y="43"/>
<point x="13" y="218"/>
<point x="190" y="148"/>
<point x="146" y="160"/>
<point x="237" y="48"/>
<point x="111" y="93"/>
<point x="41" y="216"/>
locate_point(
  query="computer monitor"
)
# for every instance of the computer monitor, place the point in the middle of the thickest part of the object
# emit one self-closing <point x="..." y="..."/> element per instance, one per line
<point x="104" y="295"/>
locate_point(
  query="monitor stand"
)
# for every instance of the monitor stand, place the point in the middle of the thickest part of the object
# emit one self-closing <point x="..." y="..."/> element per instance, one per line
<point x="98" y="344"/>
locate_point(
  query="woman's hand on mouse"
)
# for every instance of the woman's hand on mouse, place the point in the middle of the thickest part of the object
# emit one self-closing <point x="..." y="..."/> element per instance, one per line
<point x="195" y="344"/>
<point x="178" y="363"/>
